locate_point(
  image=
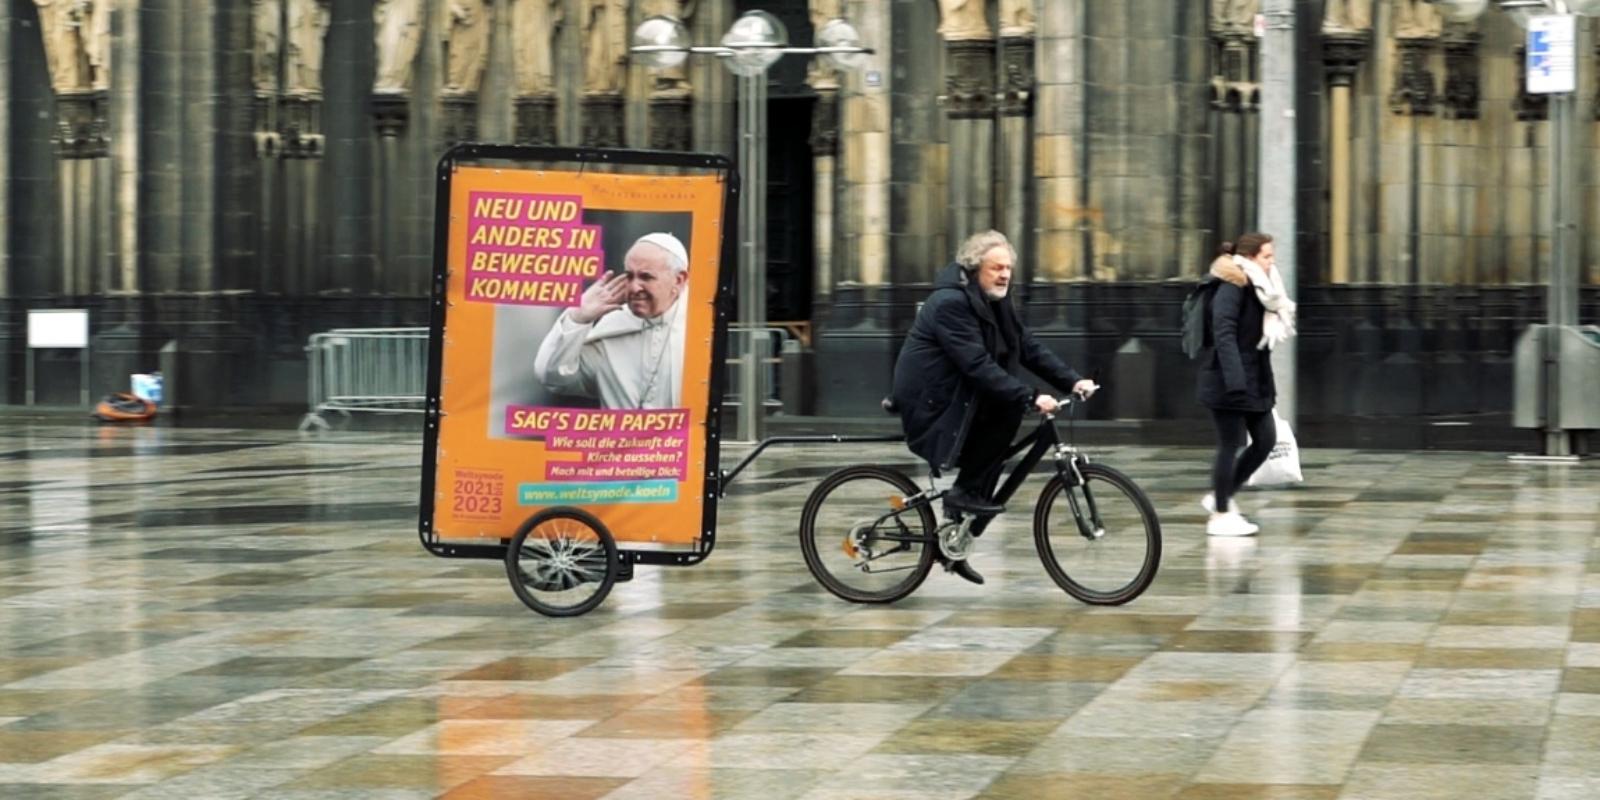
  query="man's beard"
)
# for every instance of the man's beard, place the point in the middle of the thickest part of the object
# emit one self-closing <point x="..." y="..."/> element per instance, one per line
<point x="997" y="293"/>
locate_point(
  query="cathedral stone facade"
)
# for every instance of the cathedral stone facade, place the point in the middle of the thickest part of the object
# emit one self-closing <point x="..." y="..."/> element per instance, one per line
<point x="215" y="181"/>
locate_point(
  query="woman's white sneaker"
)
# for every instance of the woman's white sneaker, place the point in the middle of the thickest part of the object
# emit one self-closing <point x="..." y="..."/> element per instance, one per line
<point x="1209" y="503"/>
<point x="1230" y="524"/>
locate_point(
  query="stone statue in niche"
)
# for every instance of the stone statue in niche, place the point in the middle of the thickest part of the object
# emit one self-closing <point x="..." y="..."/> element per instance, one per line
<point x="672" y="81"/>
<point x="308" y="32"/>
<point x="77" y="43"/>
<point x="1416" y="19"/>
<point x="466" y="43"/>
<point x="1016" y="19"/>
<point x="533" y="33"/>
<point x="397" y="32"/>
<point x="1347" y="16"/>
<point x="266" y="26"/>
<point x="1234" y="15"/>
<point x="963" y="20"/>
<point x="821" y="74"/>
<point x="605" y="40"/>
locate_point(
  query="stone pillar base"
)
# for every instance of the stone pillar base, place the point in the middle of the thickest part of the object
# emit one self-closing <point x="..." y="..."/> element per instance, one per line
<point x="602" y="120"/>
<point x="1414" y="93"/>
<point x="671" y="127"/>
<point x="460" y="118"/>
<point x="300" y="125"/>
<point x="536" y="120"/>
<point x="81" y="127"/>
<point x="390" y="113"/>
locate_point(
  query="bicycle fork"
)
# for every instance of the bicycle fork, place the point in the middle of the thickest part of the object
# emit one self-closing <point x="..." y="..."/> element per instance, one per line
<point x="1092" y="528"/>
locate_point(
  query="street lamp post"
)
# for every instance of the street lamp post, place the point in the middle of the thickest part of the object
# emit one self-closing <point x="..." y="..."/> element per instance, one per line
<point x="1558" y="79"/>
<point x="754" y="42"/>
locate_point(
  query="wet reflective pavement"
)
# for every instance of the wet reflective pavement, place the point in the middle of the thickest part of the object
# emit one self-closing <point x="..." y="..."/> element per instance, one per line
<point x="232" y="614"/>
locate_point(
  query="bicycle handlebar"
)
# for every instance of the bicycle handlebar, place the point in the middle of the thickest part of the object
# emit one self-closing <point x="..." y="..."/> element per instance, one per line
<point x="1068" y="404"/>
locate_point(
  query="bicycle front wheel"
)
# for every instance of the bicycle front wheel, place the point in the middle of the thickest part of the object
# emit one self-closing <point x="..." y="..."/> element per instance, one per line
<point x="1100" y="540"/>
<point x="861" y="539"/>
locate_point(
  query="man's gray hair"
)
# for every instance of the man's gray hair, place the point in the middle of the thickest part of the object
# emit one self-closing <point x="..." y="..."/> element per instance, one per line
<point x="978" y="245"/>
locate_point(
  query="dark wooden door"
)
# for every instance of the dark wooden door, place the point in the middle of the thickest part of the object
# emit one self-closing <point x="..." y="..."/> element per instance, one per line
<point x="790" y="182"/>
<point x="790" y="209"/>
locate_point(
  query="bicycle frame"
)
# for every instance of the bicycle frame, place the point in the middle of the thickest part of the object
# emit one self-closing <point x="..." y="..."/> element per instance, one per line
<point x="1043" y="440"/>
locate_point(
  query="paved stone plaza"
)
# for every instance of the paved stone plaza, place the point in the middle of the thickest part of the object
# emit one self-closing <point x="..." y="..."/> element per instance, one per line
<point x="218" y="614"/>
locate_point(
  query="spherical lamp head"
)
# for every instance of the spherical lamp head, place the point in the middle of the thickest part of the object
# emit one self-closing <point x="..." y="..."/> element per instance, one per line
<point x="838" y="33"/>
<point x="660" y="42"/>
<point x="756" y="39"/>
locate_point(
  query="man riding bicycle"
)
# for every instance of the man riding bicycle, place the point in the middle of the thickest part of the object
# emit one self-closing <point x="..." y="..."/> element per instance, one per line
<point x="955" y="383"/>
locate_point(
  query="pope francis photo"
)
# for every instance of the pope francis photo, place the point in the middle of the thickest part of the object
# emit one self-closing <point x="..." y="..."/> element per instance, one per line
<point x="623" y="343"/>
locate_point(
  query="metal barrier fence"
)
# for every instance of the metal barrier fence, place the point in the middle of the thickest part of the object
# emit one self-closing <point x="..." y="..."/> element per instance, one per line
<point x="385" y="370"/>
<point x="773" y="338"/>
<point x="369" y="370"/>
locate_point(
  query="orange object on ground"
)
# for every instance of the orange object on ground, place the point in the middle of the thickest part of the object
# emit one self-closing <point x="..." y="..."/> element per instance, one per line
<point x="124" y="407"/>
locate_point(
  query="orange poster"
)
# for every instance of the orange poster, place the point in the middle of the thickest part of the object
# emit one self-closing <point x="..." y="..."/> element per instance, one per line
<point x="573" y="351"/>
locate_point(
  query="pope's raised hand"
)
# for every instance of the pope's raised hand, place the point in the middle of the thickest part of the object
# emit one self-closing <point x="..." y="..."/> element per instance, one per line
<point x="605" y="296"/>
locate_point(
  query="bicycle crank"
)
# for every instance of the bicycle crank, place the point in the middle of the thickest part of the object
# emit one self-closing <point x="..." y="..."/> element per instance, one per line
<point x="955" y="540"/>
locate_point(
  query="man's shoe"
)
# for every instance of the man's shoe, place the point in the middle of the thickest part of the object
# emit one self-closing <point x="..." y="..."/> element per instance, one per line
<point x="960" y="499"/>
<point x="964" y="570"/>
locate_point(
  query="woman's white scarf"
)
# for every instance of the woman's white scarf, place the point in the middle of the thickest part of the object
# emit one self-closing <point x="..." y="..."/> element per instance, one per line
<point x="1278" y="324"/>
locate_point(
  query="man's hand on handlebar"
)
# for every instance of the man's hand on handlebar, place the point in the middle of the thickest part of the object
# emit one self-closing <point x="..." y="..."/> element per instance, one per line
<point x="1082" y="390"/>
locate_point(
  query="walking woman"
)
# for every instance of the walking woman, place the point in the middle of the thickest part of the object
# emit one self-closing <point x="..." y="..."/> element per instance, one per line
<point x="1250" y="314"/>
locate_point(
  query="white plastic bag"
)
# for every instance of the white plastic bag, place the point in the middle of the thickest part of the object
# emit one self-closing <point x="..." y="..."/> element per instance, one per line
<point x="1283" y="463"/>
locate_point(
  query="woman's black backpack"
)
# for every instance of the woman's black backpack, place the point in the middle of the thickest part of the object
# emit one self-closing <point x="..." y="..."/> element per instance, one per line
<point x="1197" y="317"/>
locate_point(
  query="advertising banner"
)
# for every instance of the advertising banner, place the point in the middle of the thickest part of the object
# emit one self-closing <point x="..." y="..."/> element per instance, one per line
<point x="572" y="361"/>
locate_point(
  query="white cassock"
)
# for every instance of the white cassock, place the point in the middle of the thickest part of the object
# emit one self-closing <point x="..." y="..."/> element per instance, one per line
<point x="625" y="360"/>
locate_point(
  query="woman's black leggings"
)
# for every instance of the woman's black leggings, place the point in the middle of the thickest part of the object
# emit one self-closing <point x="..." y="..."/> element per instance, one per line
<point x="1231" y="470"/>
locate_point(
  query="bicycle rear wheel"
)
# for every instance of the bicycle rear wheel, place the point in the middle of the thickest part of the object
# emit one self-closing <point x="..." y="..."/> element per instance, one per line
<point x="860" y="540"/>
<point x="1100" y="540"/>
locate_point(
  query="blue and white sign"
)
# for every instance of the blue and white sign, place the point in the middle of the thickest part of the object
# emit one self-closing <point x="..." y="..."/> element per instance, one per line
<point x="1552" y="54"/>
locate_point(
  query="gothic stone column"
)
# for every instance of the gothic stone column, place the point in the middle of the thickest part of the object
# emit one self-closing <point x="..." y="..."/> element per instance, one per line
<point x="1234" y="94"/>
<point x="82" y="144"/>
<point x="1016" y="140"/>
<point x="1060" y="92"/>
<point x="824" y="149"/>
<point x="969" y="100"/>
<point x="1415" y="96"/>
<point x="6" y="48"/>
<point x="303" y="144"/>
<point x="390" y="114"/>
<point x="1342" y="54"/>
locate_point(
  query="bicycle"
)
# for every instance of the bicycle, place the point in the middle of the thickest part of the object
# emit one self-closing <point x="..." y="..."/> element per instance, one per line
<point x="884" y="525"/>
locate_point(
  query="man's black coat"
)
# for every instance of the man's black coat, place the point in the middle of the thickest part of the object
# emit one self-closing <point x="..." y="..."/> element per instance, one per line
<point x="949" y="365"/>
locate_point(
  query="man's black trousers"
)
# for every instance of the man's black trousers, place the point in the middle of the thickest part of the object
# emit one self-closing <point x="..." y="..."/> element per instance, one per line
<point x="983" y="453"/>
